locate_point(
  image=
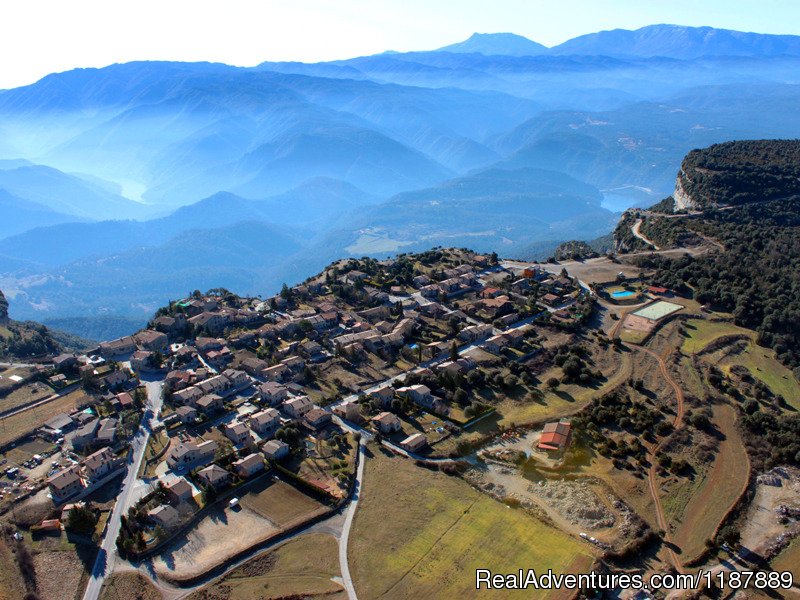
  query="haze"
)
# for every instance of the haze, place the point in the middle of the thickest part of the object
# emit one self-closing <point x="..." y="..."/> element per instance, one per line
<point x="51" y="36"/>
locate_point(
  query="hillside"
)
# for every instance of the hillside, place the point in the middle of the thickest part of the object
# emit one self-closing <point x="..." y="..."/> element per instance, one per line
<point x="735" y="173"/>
<point x="753" y="267"/>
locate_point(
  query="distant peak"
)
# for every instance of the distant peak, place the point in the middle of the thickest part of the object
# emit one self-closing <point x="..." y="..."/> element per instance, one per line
<point x="509" y="44"/>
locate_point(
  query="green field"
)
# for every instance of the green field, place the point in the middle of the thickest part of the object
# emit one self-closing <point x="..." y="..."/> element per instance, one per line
<point x="763" y="365"/>
<point x="700" y="333"/>
<point x="423" y="534"/>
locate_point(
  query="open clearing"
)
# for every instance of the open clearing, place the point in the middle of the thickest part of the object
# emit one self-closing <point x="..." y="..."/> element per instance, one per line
<point x="789" y="560"/>
<point x="129" y="584"/>
<point x="280" y="502"/>
<point x="302" y="567"/>
<point x="11" y="585"/>
<point x="716" y="493"/>
<point x="700" y="333"/>
<point x="423" y="534"/>
<point x="31" y="392"/>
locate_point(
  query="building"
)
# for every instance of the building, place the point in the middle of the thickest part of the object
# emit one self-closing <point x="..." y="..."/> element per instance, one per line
<point x="65" y="484"/>
<point x="386" y="423"/>
<point x="297" y="407"/>
<point x="249" y="465"/>
<point x="190" y="455"/>
<point x="414" y="442"/>
<point x="188" y="396"/>
<point x="555" y="436"/>
<point x="237" y="432"/>
<point x="272" y="393"/>
<point x="99" y="464"/>
<point x="65" y="362"/>
<point x="265" y="422"/>
<point x="186" y="414"/>
<point x="210" y="403"/>
<point x="317" y="418"/>
<point x="141" y="360"/>
<point x="85" y="434"/>
<point x="383" y="395"/>
<point x="237" y="379"/>
<point x="118" y="347"/>
<point x="149" y="339"/>
<point x="275" y="449"/>
<point x="179" y="491"/>
<point x="165" y="516"/>
<point x="214" y="476"/>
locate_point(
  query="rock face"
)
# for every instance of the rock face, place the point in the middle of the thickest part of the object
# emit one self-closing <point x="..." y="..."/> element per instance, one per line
<point x="3" y="308"/>
<point x="683" y="201"/>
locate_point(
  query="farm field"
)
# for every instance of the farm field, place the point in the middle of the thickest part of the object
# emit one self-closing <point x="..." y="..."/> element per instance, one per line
<point x="301" y="567"/>
<point x="279" y="502"/>
<point x="711" y="498"/>
<point x="129" y="584"/>
<point x="19" y="424"/>
<point x="28" y="393"/>
<point x="700" y="333"/>
<point x="7" y="373"/>
<point x="422" y="534"/>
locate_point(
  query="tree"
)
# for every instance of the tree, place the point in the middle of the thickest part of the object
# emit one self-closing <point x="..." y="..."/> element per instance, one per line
<point x="553" y="383"/>
<point x="81" y="519"/>
<point x="454" y="352"/>
<point x="286" y="293"/>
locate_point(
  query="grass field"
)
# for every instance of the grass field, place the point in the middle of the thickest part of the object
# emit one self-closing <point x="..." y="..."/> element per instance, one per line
<point x="422" y="534"/>
<point x="279" y="502"/>
<point x="763" y="365"/>
<point x="129" y="584"/>
<point x="789" y="560"/>
<point x="7" y="373"/>
<point x="701" y="333"/>
<point x="17" y="425"/>
<point x="711" y="498"/>
<point x="302" y="567"/>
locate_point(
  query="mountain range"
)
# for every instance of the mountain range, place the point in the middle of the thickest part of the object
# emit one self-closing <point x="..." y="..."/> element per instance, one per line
<point x="126" y="186"/>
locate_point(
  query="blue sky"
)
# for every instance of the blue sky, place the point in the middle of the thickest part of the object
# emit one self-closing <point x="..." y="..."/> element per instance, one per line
<point x="43" y="36"/>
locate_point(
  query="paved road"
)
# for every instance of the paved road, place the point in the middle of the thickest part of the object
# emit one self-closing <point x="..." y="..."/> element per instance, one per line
<point x="131" y="491"/>
<point x="344" y="565"/>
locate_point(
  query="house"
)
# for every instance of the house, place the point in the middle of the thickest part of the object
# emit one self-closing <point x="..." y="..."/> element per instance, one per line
<point x="272" y="393"/>
<point x="99" y="464"/>
<point x="237" y="379"/>
<point x="295" y="363"/>
<point x="421" y="281"/>
<point x="186" y="414"/>
<point x="254" y="366"/>
<point x="249" y="465"/>
<point x="114" y="379"/>
<point x="277" y="373"/>
<point x="85" y="434"/>
<point x="310" y="349"/>
<point x="475" y="332"/>
<point x="165" y="516"/>
<point x="265" y="422"/>
<point x="354" y="276"/>
<point x="207" y="344"/>
<point x="179" y="491"/>
<point x="191" y="454"/>
<point x="491" y="292"/>
<point x="421" y="396"/>
<point x="383" y="395"/>
<point x="386" y="422"/>
<point x="498" y="306"/>
<point x="237" y="432"/>
<point x="349" y="410"/>
<point x="123" y="401"/>
<point x="210" y="403"/>
<point x="65" y="484"/>
<point x="317" y="418"/>
<point x="178" y="380"/>
<point x="219" y="384"/>
<point x="188" y="396"/>
<point x="297" y="407"/>
<point x="658" y="290"/>
<point x="170" y="325"/>
<point x="65" y="362"/>
<point x="275" y="449"/>
<point x="118" y="347"/>
<point x="551" y="299"/>
<point x="555" y="436"/>
<point x="211" y="322"/>
<point x="214" y="476"/>
<point x="142" y="360"/>
<point x="496" y="343"/>
<point x="414" y="442"/>
<point x="149" y="339"/>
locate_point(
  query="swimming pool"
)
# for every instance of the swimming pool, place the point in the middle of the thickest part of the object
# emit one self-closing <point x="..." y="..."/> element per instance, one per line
<point x="622" y="294"/>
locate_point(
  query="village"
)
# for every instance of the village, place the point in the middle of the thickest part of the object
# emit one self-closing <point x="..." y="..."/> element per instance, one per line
<point x="247" y="419"/>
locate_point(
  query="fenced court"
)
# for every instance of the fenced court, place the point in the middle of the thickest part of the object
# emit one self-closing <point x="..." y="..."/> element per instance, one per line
<point x="657" y="310"/>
